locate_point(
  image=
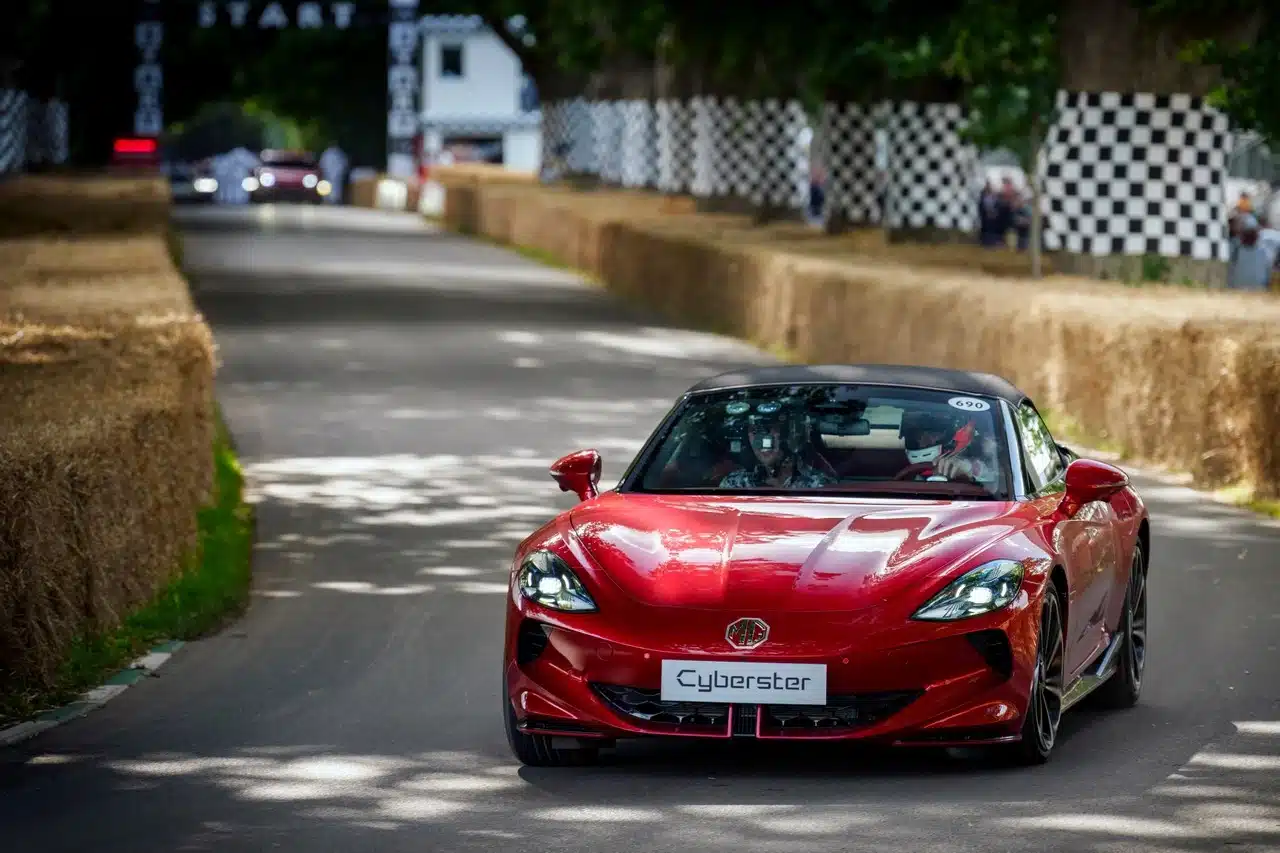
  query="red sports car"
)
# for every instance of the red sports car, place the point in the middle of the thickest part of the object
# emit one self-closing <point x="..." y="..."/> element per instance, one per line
<point x="893" y="554"/>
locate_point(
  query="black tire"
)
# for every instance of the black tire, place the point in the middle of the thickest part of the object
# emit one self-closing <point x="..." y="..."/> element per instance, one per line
<point x="1048" y="682"/>
<point x="1123" y="689"/>
<point x="536" y="750"/>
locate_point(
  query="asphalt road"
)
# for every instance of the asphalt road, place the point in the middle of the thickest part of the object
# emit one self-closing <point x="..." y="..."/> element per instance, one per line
<point x="397" y="395"/>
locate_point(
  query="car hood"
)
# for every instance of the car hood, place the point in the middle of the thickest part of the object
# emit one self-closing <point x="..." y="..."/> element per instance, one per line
<point x="770" y="554"/>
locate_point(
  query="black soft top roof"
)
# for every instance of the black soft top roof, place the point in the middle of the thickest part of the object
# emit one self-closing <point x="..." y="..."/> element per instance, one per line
<point x="938" y="378"/>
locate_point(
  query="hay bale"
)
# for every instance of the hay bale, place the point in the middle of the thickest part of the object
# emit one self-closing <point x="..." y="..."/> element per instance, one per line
<point x="106" y="372"/>
<point x="34" y="205"/>
<point x="1177" y="377"/>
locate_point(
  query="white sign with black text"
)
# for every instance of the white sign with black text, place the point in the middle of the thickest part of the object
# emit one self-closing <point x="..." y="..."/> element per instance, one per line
<point x="749" y="682"/>
<point x="275" y="16"/>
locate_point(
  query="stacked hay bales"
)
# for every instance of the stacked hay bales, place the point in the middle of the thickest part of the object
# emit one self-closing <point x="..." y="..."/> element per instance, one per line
<point x="1172" y="376"/>
<point x="106" y="378"/>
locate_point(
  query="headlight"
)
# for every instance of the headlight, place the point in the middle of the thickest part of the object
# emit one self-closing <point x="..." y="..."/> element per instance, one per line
<point x="309" y="181"/>
<point x="545" y="579"/>
<point x="323" y="188"/>
<point x="267" y="179"/>
<point x="249" y="184"/>
<point x="988" y="587"/>
<point x="205" y="185"/>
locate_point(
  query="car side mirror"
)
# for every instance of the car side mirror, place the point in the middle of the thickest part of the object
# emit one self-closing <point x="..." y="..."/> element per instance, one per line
<point x="579" y="473"/>
<point x="1089" y="480"/>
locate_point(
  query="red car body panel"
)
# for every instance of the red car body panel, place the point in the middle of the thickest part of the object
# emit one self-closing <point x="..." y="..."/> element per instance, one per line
<point x="837" y="581"/>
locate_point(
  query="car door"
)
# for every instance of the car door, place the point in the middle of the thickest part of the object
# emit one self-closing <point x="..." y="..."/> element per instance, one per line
<point x="1085" y="540"/>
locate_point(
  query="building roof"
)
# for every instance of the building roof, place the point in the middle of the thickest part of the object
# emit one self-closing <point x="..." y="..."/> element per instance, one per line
<point x="480" y="125"/>
<point x="451" y="24"/>
<point x="916" y="376"/>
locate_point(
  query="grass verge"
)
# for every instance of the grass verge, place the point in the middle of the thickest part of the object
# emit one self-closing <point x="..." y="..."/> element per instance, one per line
<point x="211" y="590"/>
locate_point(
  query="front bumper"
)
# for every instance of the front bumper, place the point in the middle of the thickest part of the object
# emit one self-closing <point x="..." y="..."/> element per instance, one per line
<point x="920" y="684"/>
<point x="285" y="194"/>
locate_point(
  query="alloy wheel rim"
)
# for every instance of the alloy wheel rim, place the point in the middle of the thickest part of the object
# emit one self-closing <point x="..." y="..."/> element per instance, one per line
<point x="1137" y="621"/>
<point x="1046" y="697"/>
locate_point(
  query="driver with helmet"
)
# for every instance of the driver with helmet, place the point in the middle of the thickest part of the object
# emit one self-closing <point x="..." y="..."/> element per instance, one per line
<point x="778" y="435"/>
<point x="938" y="451"/>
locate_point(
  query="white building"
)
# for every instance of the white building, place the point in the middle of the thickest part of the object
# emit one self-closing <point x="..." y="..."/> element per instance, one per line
<point x="476" y="99"/>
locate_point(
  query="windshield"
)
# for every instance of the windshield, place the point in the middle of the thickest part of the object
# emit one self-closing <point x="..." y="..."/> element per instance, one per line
<point x="845" y="439"/>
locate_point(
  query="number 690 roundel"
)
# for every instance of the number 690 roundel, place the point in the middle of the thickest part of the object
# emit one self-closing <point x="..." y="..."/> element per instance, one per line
<point x="902" y="555"/>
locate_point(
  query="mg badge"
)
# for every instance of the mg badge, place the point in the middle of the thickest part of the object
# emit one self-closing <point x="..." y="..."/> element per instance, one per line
<point x="747" y="633"/>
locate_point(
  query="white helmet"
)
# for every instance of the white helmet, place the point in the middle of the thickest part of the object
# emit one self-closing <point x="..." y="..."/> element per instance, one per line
<point x="925" y="434"/>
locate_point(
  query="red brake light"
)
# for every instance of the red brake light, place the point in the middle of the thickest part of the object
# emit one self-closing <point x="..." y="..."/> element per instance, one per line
<point x="135" y="146"/>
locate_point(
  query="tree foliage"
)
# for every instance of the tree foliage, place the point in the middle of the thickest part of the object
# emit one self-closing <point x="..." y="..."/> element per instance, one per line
<point x="1250" y="73"/>
<point x="1006" y="56"/>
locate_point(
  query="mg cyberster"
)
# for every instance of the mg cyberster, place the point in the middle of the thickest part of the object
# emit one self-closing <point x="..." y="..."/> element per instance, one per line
<point x="902" y="555"/>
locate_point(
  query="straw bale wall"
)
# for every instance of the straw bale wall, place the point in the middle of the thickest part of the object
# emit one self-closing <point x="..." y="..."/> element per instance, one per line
<point x="1177" y="377"/>
<point x="106" y="378"/>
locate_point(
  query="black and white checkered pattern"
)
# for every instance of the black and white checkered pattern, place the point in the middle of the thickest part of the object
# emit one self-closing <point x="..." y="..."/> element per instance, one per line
<point x="853" y="183"/>
<point x="32" y="133"/>
<point x="708" y="146"/>
<point x="675" y="141"/>
<point x="1133" y="174"/>
<point x="568" y="142"/>
<point x="1126" y="174"/>
<point x="639" y="143"/>
<point x="932" y="169"/>
<point x="13" y="131"/>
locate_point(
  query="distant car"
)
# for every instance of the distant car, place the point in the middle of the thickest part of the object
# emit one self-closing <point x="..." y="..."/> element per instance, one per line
<point x="192" y="183"/>
<point x="901" y="555"/>
<point x="287" y="176"/>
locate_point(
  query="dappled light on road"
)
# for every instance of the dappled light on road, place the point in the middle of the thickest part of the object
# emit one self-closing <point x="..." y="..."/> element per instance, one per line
<point x="717" y="802"/>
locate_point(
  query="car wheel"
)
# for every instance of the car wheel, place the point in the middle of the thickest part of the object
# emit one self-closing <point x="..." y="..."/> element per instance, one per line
<point x="1048" y="681"/>
<point x="1125" y="686"/>
<point x="537" y="750"/>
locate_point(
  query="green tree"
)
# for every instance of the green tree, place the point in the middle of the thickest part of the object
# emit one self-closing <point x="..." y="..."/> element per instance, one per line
<point x="1007" y="57"/>
<point x="1250" y="69"/>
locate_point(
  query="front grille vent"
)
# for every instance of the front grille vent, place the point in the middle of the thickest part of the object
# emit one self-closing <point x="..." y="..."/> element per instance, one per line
<point x="531" y="641"/>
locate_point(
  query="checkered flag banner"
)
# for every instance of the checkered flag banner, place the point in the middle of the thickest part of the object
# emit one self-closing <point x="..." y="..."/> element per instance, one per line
<point x="31" y="133"/>
<point x="1134" y="174"/>
<point x="1121" y="174"/>
<point x="13" y="131"/>
<point x="706" y="146"/>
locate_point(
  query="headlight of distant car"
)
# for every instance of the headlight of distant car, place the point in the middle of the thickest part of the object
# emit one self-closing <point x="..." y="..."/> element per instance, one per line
<point x="984" y="589"/>
<point x="323" y="188"/>
<point x="267" y="179"/>
<point x="309" y="181"/>
<point x="545" y="579"/>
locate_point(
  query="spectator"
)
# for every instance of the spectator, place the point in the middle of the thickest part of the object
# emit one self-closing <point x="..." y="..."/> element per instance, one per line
<point x="817" y="194"/>
<point x="230" y="170"/>
<point x="333" y="165"/>
<point x="1244" y="205"/>
<point x="1253" y="255"/>
<point x="988" y="216"/>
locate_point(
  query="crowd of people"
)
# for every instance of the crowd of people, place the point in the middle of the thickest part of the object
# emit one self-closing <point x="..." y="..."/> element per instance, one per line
<point x="1002" y="209"/>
